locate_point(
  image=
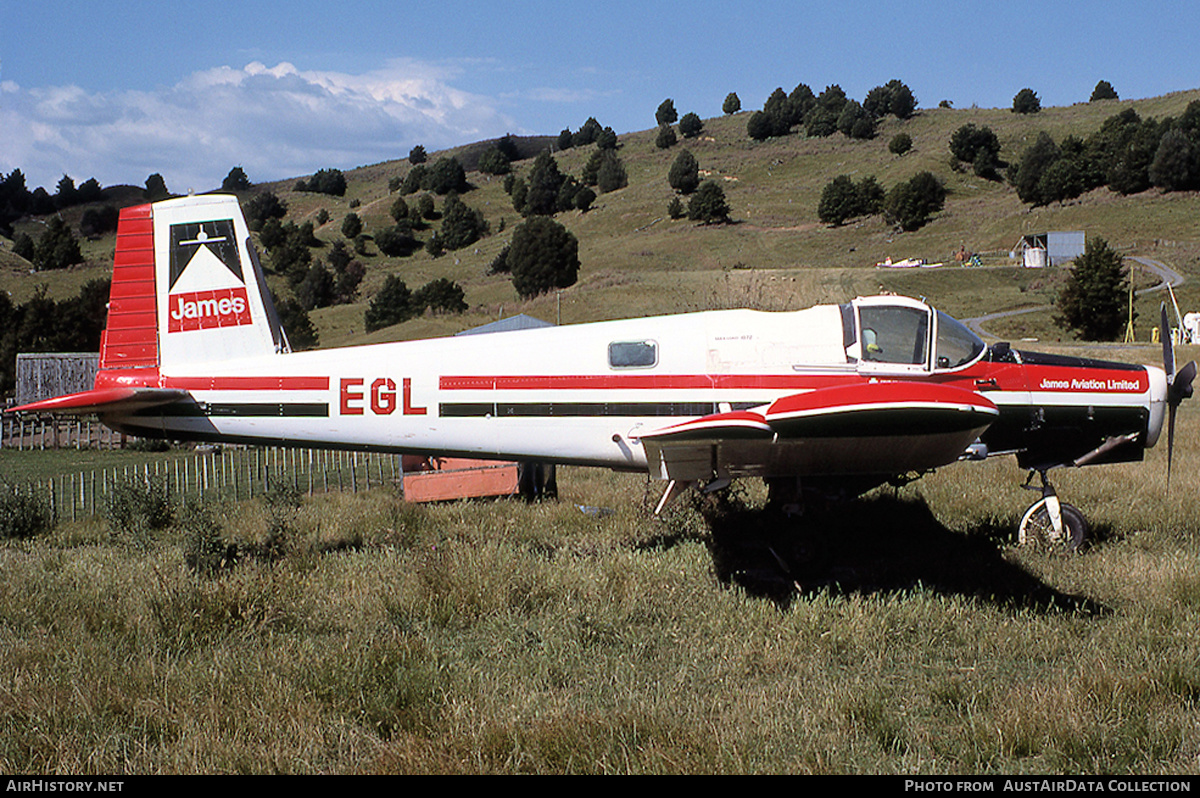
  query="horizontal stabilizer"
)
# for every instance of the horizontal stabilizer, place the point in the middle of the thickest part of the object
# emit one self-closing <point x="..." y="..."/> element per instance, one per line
<point x="105" y="400"/>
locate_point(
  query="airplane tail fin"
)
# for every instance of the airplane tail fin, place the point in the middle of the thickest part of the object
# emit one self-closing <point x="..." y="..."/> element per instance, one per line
<point x="187" y="289"/>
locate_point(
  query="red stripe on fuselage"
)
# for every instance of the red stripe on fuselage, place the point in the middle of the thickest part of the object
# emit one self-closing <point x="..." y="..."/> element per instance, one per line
<point x="583" y="382"/>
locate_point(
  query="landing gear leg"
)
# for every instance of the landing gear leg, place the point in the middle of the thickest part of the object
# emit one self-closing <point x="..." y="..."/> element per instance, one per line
<point x="1050" y="523"/>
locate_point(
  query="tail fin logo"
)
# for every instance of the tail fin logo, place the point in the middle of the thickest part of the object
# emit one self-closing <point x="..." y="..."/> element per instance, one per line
<point x="201" y="310"/>
<point x="207" y="287"/>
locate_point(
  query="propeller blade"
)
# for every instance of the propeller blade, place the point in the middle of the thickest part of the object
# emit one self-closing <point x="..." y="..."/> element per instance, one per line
<point x="1181" y="386"/>
<point x="1168" y="345"/>
<point x="1170" y="441"/>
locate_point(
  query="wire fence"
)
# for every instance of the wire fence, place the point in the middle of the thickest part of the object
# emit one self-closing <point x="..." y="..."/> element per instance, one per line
<point x="222" y="474"/>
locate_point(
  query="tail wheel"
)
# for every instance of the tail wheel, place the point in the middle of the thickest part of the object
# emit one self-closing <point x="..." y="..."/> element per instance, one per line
<point x="1038" y="530"/>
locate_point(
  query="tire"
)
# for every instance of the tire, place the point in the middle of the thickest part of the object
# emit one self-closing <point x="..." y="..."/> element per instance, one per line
<point x="1037" y="530"/>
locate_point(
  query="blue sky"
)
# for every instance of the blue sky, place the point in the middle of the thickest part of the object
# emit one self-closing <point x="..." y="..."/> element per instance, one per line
<point x="119" y="90"/>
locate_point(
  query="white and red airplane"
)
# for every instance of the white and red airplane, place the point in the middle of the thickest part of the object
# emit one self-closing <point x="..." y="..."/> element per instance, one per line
<point x="834" y="399"/>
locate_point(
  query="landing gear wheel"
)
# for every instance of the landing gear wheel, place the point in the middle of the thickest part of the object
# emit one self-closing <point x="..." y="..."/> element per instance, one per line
<point x="1038" y="530"/>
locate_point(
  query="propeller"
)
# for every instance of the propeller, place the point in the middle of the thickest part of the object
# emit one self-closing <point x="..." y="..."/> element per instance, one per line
<point x="1179" y="385"/>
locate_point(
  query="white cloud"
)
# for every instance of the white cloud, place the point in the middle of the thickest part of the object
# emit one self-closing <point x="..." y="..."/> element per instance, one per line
<point x="276" y="122"/>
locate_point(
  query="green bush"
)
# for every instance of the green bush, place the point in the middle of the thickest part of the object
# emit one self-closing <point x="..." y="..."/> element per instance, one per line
<point x="204" y="547"/>
<point x="137" y="506"/>
<point x="23" y="514"/>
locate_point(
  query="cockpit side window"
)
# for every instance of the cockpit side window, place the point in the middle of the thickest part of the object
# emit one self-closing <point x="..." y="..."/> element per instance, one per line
<point x="895" y="334"/>
<point x="956" y="344"/>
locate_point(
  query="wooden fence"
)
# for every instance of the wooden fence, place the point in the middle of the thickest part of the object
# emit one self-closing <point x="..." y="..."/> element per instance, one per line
<point x="57" y="432"/>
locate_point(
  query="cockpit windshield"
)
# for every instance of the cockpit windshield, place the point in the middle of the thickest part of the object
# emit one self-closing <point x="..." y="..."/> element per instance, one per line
<point x="895" y="334"/>
<point x="956" y="345"/>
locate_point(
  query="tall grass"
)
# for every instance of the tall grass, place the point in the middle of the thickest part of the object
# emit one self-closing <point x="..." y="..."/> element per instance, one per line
<point x="500" y="637"/>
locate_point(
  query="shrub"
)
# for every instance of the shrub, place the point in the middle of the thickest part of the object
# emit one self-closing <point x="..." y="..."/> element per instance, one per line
<point x="23" y="514"/>
<point x="708" y="204"/>
<point x="1026" y="102"/>
<point x="666" y="113"/>
<point x="262" y="207"/>
<point x="611" y="174"/>
<point x="900" y="144"/>
<point x="137" y="506"/>
<point x="910" y="204"/>
<point x="732" y="104"/>
<point x="690" y="125"/>
<point x="325" y="181"/>
<point x="440" y="296"/>
<point x="351" y="226"/>
<point x="666" y="137"/>
<point x="57" y="247"/>
<point x="684" y="176"/>
<point x="392" y="305"/>
<point x="204" y="548"/>
<point x="1103" y="91"/>
<point x="417" y="155"/>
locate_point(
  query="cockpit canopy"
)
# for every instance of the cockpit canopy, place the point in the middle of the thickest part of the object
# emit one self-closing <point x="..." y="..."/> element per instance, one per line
<point x="896" y="331"/>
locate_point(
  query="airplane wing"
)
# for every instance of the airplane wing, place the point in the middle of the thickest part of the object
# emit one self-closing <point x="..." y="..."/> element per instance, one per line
<point x="105" y="401"/>
<point x="882" y="427"/>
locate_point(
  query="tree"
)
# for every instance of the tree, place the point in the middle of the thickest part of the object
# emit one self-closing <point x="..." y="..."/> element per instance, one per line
<point x="900" y="144"/>
<point x="351" y="225"/>
<point x="1034" y="162"/>
<point x="236" y="180"/>
<point x="607" y="139"/>
<point x="666" y="137"/>
<point x="545" y="180"/>
<point x="910" y="204"/>
<point x="494" y="161"/>
<point x="684" y="176"/>
<point x="584" y="198"/>
<point x="1103" y="91"/>
<point x="1176" y="165"/>
<point x="462" y="225"/>
<point x="611" y="175"/>
<point x="262" y="207"/>
<point x="66" y="194"/>
<point x="392" y="305"/>
<point x="543" y="255"/>
<point x="317" y="289"/>
<point x="156" y="188"/>
<point x="842" y="199"/>
<point x="690" y="125"/>
<point x="397" y="241"/>
<point x="300" y="331"/>
<point x="1095" y="300"/>
<point x="856" y="122"/>
<point x="325" y="181"/>
<point x="708" y="204"/>
<point x="732" y="104"/>
<point x="446" y="175"/>
<point x="417" y="155"/>
<point x="57" y="247"/>
<point x="666" y="113"/>
<point x="440" y="296"/>
<point x="1026" y="102"/>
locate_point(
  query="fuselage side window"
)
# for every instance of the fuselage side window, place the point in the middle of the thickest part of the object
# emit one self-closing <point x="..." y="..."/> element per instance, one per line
<point x="956" y="344"/>
<point x="895" y="334"/>
<point x="632" y="354"/>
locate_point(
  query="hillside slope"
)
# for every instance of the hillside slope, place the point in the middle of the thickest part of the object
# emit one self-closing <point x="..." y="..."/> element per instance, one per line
<point x="776" y="254"/>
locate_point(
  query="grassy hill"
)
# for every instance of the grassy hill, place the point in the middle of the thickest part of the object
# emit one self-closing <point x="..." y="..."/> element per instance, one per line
<point x="776" y="254"/>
